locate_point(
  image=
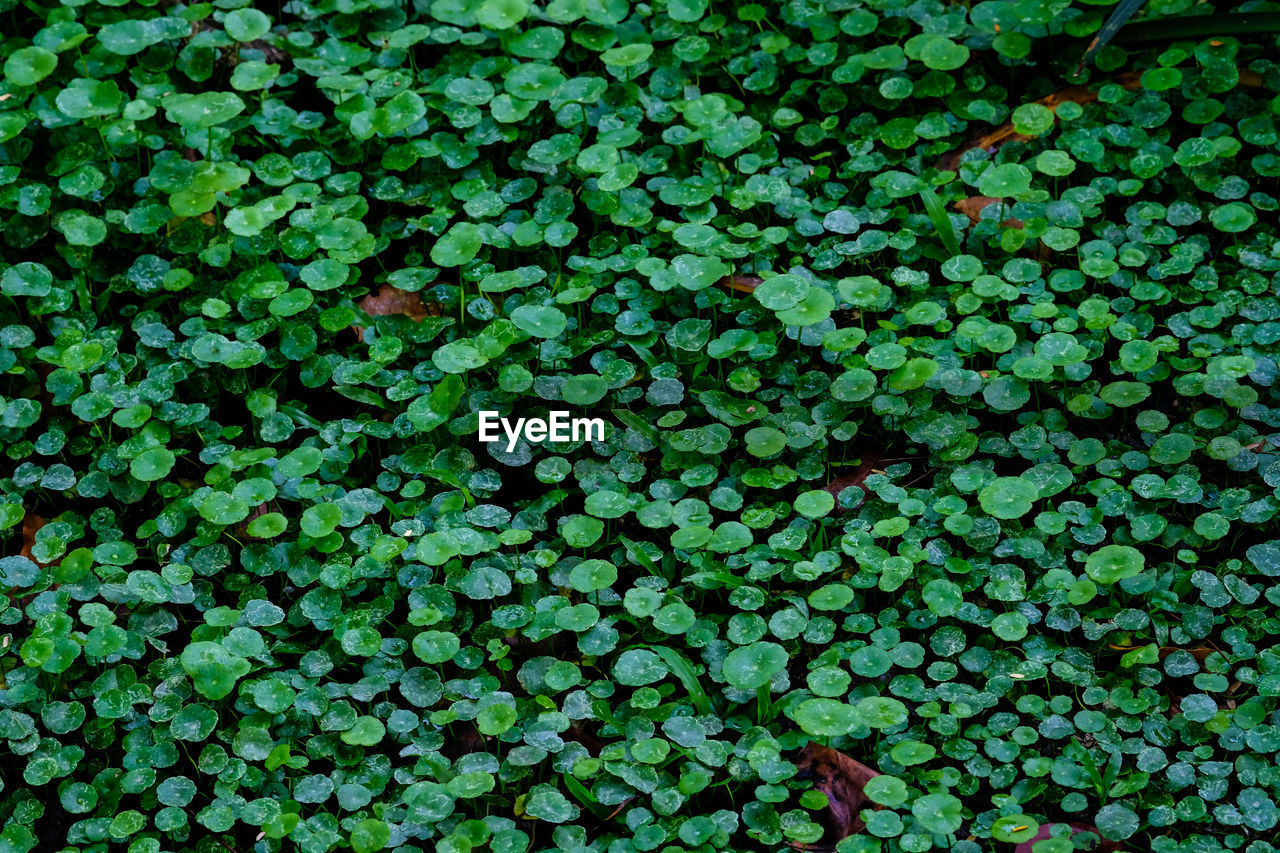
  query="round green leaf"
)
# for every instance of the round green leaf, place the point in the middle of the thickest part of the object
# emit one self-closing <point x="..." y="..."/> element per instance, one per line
<point x="27" y="66"/>
<point x="1014" y="829"/>
<point x="752" y="666"/>
<point x="1008" y="497"/>
<point x="826" y="717"/>
<point x="152" y="464"/>
<point x="1111" y="564"/>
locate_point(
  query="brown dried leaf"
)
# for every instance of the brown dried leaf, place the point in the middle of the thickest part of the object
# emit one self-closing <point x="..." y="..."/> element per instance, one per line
<point x="391" y="300"/>
<point x="256" y="512"/>
<point x="973" y="206"/>
<point x="872" y="463"/>
<point x="1199" y="652"/>
<point x="31" y="525"/>
<point x="842" y="779"/>
<point x="741" y="283"/>
<point x="993" y="139"/>
<point x="622" y="805"/>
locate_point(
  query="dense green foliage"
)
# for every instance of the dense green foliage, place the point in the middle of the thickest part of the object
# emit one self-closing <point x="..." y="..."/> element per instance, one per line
<point x="984" y="503"/>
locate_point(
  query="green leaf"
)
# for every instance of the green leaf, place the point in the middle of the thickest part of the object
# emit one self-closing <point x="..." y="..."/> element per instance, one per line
<point x="627" y="56"/>
<point x="26" y="279"/>
<point x="1116" y="822"/>
<point x="938" y="813"/>
<point x="1004" y="180"/>
<point x="246" y="24"/>
<point x="152" y="464"/>
<point x="1111" y="564"/>
<point x="267" y="525"/>
<point x="496" y="719"/>
<point x="942" y="224"/>
<point x="214" y="671"/>
<point x="1014" y="829"/>
<point x="826" y="717"/>
<point x="370" y="835"/>
<point x="367" y="731"/>
<point x="84" y="98"/>
<point x="1008" y="497"/>
<point x="540" y="321"/>
<point x="205" y="110"/>
<point x="886" y="790"/>
<point x="881" y="712"/>
<point x="459" y="245"/>
<point x="27" y="66"/>
<point x="11" y="514"/>
<point x="815" y="503"/>
<point x="321" y="519"/>
<point x="752" y="666"/>
<point x="436" y="646"/>
<point x="501" y="14"/>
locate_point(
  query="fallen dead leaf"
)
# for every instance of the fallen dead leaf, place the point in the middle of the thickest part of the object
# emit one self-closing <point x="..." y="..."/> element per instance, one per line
<point x="842" y="779"/>
<point x="995" y="138"/>
<point x="391" y="300"/>
<point x="622" y="805"/>
<point x="1199" y="652"/>
<point x="741" y="283"/>
<point x="973" y="206"/>
<point x="31" y="525"/>
<point x="872" y="463"/>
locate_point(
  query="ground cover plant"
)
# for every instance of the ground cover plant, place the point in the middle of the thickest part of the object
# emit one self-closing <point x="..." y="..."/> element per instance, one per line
<point x="936" y="509"/>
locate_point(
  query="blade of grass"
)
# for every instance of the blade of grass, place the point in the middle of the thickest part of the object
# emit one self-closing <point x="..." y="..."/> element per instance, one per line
<point x="1112" y="772"/>
<point x="584" y="796"/>
<point x="1091" y="767"/>
<point x="684" y="671"/>
<point x="941" y="221"/>
<point x="548" y="500"/>
<point x="1123" y="12"/>
<point x="637" y="423"/>
<point x="1199" y="27"/>
<point x="642" y="558"/>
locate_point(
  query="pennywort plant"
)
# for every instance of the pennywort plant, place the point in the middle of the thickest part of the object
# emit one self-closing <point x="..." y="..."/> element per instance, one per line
<point x="935" y="505"/>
